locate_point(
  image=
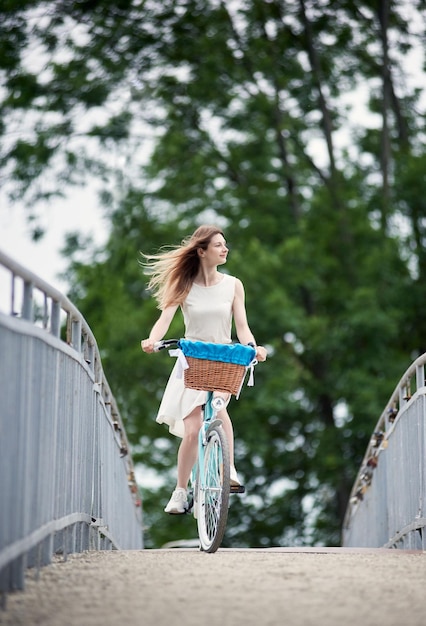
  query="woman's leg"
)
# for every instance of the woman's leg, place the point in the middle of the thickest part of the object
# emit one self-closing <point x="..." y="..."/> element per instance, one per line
<point x="227" y="424"/>
<point x="187" y="454"/>
<point x="223" y="415"/>
<point x="229" y="432"/>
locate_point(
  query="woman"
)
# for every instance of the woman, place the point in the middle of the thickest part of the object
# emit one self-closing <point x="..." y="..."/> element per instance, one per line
<point x="187" y="277"/>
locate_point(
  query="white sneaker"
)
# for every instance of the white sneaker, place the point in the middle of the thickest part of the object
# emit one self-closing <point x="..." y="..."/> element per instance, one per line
<point x="178" y="503"/>
<point x="233" y="477"/>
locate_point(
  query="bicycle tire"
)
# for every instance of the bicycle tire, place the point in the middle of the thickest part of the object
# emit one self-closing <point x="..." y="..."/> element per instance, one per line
<point x="213" y="496"/>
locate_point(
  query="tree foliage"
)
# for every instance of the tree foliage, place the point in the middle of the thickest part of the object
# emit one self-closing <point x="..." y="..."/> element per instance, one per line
<point x="240" y="113"/>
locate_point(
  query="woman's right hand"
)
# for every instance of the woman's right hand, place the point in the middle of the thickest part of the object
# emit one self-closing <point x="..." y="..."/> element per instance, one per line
<point x="147" y="345"/>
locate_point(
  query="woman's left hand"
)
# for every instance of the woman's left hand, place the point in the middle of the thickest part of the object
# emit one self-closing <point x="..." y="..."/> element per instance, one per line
<point x="261" y="353"/>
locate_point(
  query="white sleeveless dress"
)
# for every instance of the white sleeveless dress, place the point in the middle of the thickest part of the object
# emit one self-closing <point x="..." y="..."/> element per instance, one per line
<point x="207" y="314"/>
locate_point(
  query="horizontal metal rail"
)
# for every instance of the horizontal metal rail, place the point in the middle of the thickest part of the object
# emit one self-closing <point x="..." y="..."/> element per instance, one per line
<point x="387" y="503"/>
<point x="67" y="476"/>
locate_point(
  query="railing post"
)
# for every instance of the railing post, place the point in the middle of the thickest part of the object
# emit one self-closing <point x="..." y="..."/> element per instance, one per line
<point x="420" y="376"/>
<point x="91" y="355"/>
<point x="55" y="324"/>
<point x="27" y="304"/>
<point x="76" y="335"/>
<point x="12" y="295"/>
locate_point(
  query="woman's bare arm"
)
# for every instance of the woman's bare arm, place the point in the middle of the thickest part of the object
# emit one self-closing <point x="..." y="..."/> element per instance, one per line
<point x="244" y="334"/>
<point x="159" y="329"/>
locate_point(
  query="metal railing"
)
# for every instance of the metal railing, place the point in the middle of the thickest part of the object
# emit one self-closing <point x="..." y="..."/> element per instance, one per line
<point x="387" y="502"/>
<point x="67" y="478"/>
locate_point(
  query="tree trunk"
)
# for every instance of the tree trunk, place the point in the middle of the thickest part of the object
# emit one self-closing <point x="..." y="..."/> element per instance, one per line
<point x="385" y="151"/>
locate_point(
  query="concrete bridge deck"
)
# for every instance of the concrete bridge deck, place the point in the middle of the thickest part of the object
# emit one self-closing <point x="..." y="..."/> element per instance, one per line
<point x="256" y="587"/>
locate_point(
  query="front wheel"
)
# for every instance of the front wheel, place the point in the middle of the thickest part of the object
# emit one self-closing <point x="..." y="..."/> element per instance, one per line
<point x="213" y="489"/>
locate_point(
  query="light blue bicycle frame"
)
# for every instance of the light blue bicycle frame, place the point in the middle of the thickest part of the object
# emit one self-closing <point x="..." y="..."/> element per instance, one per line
<point x="208" y="415"/>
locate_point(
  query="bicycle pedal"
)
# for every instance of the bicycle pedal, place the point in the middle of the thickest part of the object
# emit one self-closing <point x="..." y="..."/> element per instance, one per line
<point x="237" y="489"/>
<point x="190" y="504"/>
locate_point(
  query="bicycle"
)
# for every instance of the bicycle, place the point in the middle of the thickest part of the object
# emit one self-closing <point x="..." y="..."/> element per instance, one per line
<point x="212" y="368"/>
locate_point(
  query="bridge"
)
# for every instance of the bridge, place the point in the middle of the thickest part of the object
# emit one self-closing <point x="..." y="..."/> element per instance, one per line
<point x="67" y="476"/>
<point x="387" y="503"/>
<point x="69" y="501"/>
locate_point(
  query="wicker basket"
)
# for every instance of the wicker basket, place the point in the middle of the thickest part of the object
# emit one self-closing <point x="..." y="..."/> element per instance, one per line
<point x="214" y="375"/>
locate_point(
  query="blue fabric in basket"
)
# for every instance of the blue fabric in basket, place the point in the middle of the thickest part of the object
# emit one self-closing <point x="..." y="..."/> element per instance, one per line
<point x="226" y="353"/>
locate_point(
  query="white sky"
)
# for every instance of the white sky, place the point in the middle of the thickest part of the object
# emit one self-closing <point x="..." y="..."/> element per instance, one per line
<point x="80" y="212"/>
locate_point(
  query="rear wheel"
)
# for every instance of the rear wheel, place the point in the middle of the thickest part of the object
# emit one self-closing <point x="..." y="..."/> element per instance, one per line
<point x="213" y="494"/>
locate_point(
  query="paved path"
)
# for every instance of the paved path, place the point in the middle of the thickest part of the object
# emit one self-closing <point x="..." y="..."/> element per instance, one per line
<point x="281" y="587"/>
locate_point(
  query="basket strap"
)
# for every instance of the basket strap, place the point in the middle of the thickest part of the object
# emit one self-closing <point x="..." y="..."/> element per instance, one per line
<point x="250" y="382"/>
<point x="182" y="362"/>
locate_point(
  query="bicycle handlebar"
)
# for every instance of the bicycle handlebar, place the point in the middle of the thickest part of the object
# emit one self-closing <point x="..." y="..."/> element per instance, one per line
<point x="165" y="343"/>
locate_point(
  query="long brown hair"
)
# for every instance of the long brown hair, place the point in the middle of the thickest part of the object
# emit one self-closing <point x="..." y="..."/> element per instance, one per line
<point x="173" y="272"/>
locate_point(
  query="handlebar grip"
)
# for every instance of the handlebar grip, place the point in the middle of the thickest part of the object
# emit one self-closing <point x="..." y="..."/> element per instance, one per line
<point x="165" y="343"/>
